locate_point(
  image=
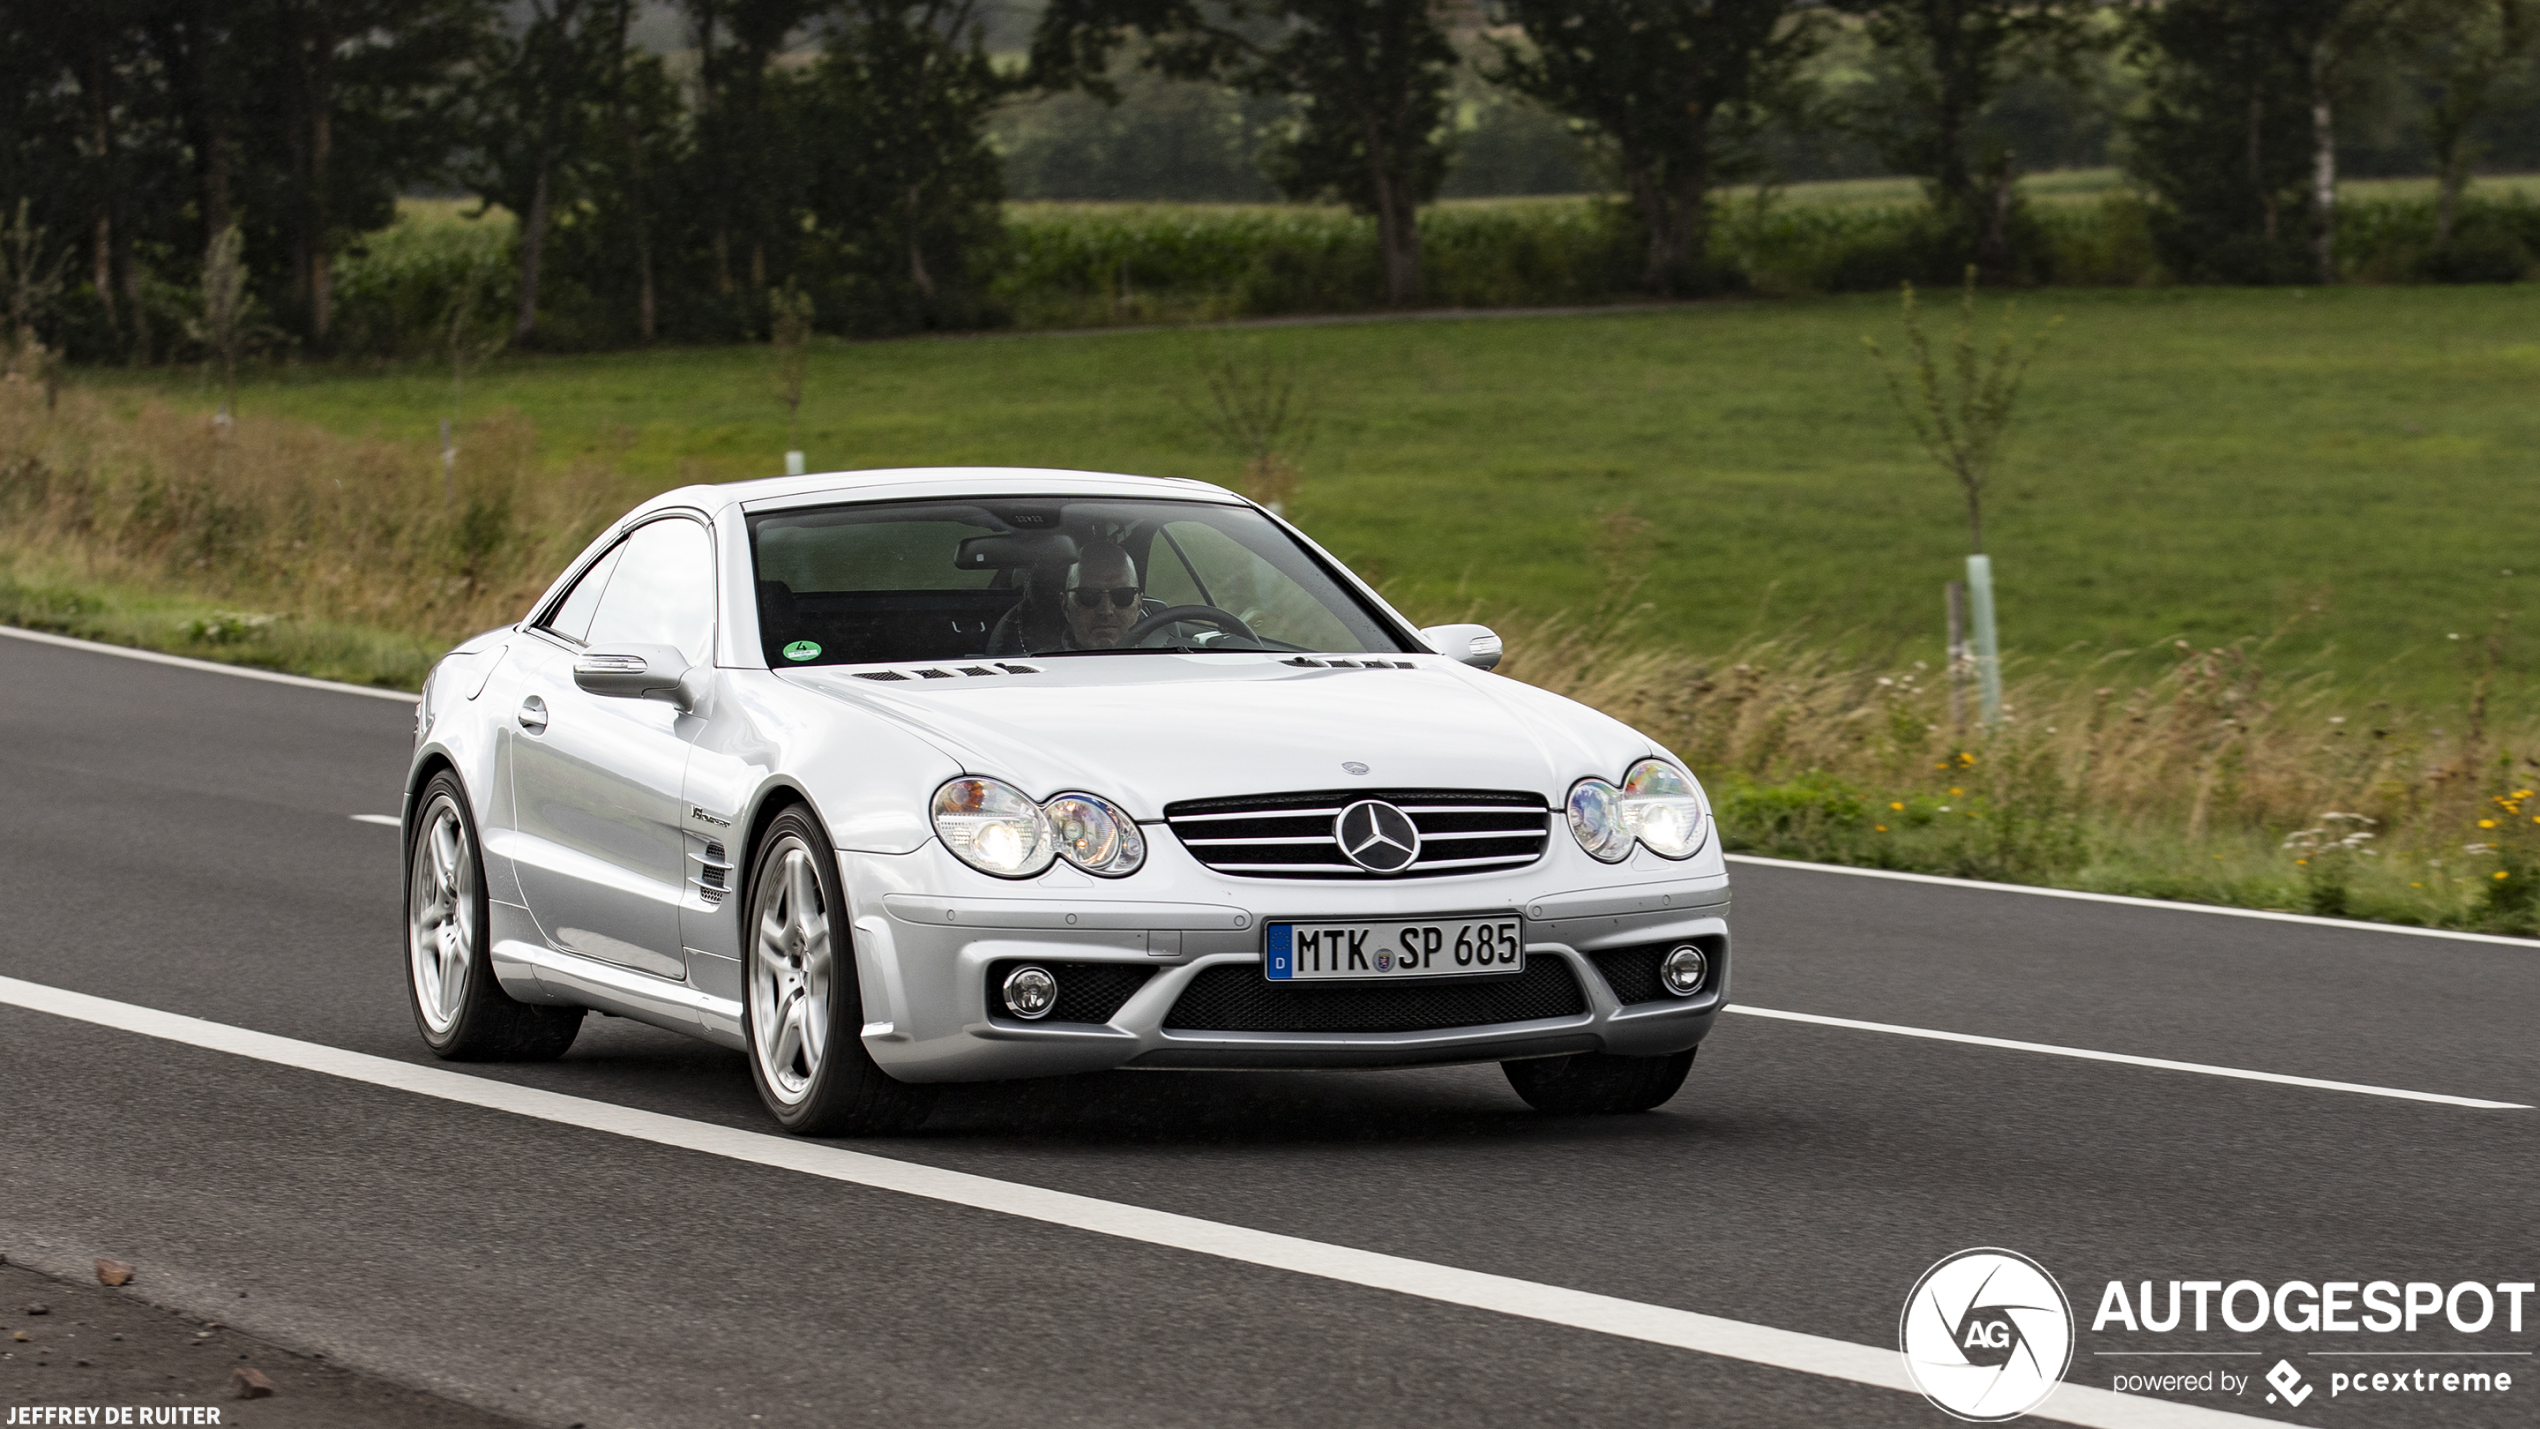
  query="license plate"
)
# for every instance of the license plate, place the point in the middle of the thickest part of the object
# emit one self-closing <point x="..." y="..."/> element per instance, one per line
<point x="1394" y="949"/>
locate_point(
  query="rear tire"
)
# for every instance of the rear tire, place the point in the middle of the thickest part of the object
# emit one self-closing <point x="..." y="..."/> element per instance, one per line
<point x="463" y="1013"/>
<point x="802" y="1010"/>
<point x="1598" y="1083"/>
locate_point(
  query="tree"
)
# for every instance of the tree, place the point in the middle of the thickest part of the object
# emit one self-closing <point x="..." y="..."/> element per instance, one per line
<point x="900" y="181"/>
<point x="741" y="149"/>
<point x="1959" y="419"/>
<point x="1951" y="59"/>
<point x="1677" y="87"/>
<point x="226" y="323"/>
<point x="2251" y="86"/>
<point x="30" y="283"/>
<point x="352" y="102"/>
<point x="789" y="314"/>
<point x="2473" y="58"/>
<point x="1370" y="77"/>
<point x="532" y="123"/>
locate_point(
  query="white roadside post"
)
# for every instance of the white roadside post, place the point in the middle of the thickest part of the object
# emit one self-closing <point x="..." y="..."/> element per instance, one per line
<point x="793" y="463"/>
<point x="1988" y="646"/>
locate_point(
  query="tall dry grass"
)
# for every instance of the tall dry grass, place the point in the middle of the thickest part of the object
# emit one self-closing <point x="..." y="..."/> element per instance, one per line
<point x="2188" y="772"/>
<point x="297" y="528"/>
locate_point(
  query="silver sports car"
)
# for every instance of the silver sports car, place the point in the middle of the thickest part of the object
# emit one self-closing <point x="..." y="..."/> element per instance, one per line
<point x="895" y="778"/>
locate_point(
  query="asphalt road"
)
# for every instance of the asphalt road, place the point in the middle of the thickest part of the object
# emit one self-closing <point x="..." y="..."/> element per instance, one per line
<point x="184" y="841"/>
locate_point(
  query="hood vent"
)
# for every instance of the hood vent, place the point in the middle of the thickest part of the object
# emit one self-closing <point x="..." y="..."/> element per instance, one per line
<point x="1331" y="662"/>
<point x="932" y="672"/>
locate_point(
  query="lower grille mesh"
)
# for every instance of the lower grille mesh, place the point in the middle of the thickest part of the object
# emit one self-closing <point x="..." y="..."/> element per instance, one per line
<point x="1633" y="972"/>
<point x="1087" y="992"/>
<point x="1234" y="997"/>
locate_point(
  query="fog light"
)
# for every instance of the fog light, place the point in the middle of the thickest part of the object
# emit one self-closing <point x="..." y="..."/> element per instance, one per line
<point x="1684" y="971"/>
<point x="1031" y="992"/>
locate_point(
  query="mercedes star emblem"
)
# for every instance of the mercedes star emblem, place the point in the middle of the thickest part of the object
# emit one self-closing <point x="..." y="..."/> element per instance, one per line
<point x="1377" y="836"/>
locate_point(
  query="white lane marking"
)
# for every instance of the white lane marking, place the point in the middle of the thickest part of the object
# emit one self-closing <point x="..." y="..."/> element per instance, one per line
<point x="2128" y="1059"/>
<point x="383" y="820"/>
<point x="2124" y="901"/>
<point x="45" y="637"/>
<point x="1506" y="1295"/>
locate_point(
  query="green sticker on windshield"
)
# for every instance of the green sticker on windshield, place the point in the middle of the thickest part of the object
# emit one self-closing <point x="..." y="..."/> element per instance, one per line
<point x="803" y="650"/>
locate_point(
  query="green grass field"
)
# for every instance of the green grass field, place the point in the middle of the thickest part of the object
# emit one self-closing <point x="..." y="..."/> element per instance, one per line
<point x="2189" y="462"/>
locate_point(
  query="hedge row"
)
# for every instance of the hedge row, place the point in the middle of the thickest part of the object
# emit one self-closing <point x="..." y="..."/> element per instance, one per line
<point x="1062" y="266"/>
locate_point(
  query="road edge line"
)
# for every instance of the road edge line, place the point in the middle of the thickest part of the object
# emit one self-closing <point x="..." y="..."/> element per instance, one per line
<point x="1828" y="1358"/>
<point x="2128" y="1059"/>
<point x="2129" y="901"/>
<point x="244" y="672"/>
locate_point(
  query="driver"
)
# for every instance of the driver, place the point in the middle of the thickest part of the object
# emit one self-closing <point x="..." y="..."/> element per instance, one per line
<point x="1103" y="597"/>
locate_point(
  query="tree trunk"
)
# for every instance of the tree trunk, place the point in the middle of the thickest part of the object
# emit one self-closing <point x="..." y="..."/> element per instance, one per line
<point x="638" y="217"/>
<point x="320" y="217"/>
<point x="2447" y="196"/>
<point x="2323" y="165"/>
<point x="101" y="136"/>
<point x="2257" y="161"/>
<point x="533" y="239"/>
<point x="1397" y="225"/>
<point x="1678" y="214"/>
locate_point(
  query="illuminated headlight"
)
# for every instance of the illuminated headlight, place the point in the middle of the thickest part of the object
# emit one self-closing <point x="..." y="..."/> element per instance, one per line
<point x="1596" y="820"/>
<point x="1663" y="811"/>
<point x="1094" y="836"/>
<point x="1656" y="805"/>
<point x="993" y="827"/>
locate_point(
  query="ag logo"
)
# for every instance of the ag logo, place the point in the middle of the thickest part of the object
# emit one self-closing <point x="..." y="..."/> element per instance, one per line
<point x="1987" y="1335"/>
<point x="1377" y="836"/>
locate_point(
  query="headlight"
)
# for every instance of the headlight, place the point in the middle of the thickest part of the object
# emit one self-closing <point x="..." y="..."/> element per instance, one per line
<point x="1656" y="805"/>
<point x="1095" y="836"/>
<point x="993" y="827"/>
<point x="1663" y="811"/>
<point x="1596" y="820"/>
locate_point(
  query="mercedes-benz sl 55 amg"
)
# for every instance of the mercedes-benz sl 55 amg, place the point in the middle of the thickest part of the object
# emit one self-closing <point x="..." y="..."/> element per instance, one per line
<point x="896" y="778"/>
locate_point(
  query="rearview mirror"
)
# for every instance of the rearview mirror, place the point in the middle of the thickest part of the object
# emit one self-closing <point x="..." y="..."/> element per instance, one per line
<point x="1474" y="645"/>
<point x="1010" y="550"/>
<point x="640" y="672"/>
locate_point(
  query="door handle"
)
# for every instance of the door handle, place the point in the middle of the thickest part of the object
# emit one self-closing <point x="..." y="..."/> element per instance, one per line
<point x="533" y="715"/>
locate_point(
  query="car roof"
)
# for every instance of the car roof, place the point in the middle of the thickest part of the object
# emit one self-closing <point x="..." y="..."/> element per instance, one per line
<point x="919" y="482"/>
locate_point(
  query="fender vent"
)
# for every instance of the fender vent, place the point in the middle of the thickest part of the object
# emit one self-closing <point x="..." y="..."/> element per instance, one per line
<point x="879" y="675"/>
<point x="714" y="874"/>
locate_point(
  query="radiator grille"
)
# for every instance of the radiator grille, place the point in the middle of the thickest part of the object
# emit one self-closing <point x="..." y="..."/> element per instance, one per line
<point x="1290" y="835"/>
<point x="1234" y="997"/>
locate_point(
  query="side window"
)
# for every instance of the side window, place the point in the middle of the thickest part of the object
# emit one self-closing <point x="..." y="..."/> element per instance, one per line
<point x="663" y="592"/>
<point x="572" y="619"/>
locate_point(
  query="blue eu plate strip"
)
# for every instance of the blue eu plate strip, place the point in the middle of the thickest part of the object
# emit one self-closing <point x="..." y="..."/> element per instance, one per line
<point x="1277" y="961"/>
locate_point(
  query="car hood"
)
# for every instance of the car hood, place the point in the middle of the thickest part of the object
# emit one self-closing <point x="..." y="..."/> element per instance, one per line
<point x="1150" y="729"/>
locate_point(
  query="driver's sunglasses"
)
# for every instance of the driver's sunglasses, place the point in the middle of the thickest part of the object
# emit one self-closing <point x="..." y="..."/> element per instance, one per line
<point x="1089" y="597"/>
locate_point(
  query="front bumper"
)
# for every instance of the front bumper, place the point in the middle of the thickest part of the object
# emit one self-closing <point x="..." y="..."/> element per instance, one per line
<point x="924" y="957"/>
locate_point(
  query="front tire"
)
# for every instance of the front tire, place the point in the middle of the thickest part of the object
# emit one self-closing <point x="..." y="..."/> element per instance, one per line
<point x="463" y="1013"/>
<point x="803" y="1011"/>
<point x="1598" y="1083"/>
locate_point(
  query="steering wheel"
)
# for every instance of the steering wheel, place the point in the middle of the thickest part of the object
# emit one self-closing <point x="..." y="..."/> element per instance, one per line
<point x="1225" y="620"/>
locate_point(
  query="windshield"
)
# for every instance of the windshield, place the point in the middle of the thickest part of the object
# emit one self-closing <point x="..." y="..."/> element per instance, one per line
<point x="1042" y="577"/>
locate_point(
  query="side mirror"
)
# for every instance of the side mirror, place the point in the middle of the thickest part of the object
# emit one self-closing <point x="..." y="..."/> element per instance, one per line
<point x="640" y="672"/>
<point x="1474" y="645"/>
